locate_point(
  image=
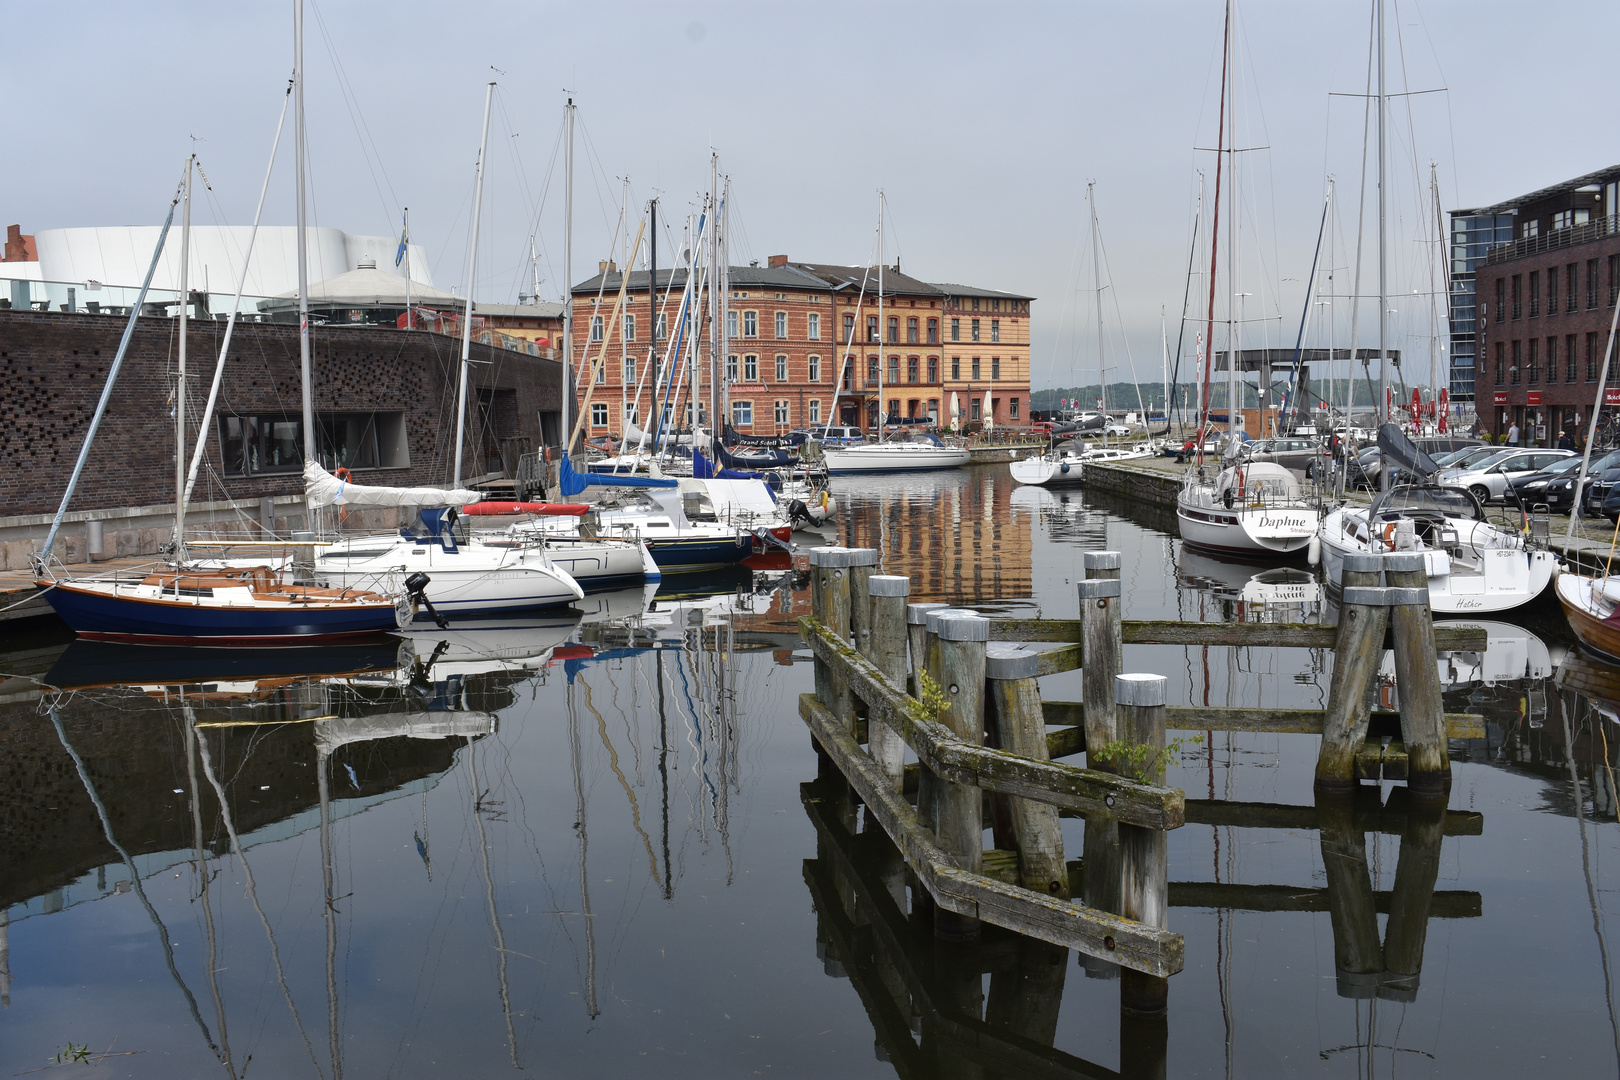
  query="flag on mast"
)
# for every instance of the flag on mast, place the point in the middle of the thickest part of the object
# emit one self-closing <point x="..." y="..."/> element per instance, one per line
<point x="404" y="238"/>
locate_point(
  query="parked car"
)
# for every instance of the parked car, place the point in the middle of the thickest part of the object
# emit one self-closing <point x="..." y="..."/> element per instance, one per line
<point x="1553" y="486"/>
<point x="1435" y="445"/>
<point x="1467" y="457"/>
<point x="828" y="434"/>
<point x="1297" y="455"/>
<point x="1488" y="479"/>
<point x="1115" y="429"/>
<point x="1602" y="476"/>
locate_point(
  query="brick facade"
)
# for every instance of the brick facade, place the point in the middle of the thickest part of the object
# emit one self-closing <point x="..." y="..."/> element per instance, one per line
<point x="53" y="367"/>
<point x="790" y="324"/>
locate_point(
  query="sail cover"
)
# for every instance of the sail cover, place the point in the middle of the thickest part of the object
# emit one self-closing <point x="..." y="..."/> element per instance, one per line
<point x="571" y="483"/>
<point x="1400" y="452"/>
<point x="321" y="488"/>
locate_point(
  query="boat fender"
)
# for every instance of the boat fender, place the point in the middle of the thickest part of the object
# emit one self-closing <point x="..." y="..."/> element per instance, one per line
<point x="1063" y="467"/>
<point x="1313" y="553"/>
<point x="1226" y="498"/>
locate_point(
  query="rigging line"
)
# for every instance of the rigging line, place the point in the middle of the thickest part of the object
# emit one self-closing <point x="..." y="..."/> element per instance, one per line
<point x="1361" y="227"/>
<point x="351" y="100"/>
<point x="1586" y="870"/>
<point x="203" y="883"/>
<point x="1120" y="316"/>
<point x="1186" y="295"/>
<point x="613" y="763"/>
<point x="600" y="176"/>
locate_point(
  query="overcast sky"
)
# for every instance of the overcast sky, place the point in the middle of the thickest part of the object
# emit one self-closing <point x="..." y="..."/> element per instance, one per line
<point x="982" y="123"/>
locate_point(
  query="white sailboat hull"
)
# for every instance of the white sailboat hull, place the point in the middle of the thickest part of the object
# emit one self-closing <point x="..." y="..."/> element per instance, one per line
<point x="893" y="457"/>
<point x="1046" y="469"/>
<point x="476" y="577"/>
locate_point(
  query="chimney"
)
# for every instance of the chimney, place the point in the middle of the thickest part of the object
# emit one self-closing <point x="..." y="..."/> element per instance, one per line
<point x="606" y="266"/>
<point x="19" y="248"/>
<point x="776" y="261"/>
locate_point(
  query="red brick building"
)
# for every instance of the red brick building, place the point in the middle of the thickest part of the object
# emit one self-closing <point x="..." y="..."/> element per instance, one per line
<point x="1545" y="302"/>
<point x="805" y="345"/>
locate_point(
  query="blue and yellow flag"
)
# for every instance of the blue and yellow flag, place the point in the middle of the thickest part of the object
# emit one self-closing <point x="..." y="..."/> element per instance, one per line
<point x="404" y="238"/>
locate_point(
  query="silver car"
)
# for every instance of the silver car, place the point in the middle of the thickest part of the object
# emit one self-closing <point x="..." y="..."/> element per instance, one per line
<point x="1488" y="479"/>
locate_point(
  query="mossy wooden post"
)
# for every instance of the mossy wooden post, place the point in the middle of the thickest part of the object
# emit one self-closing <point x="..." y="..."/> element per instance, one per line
<point x="1363" y="618"/>
<point x="1358" y="956"/>
<point x="1423" y="714"/>
<point x="885" y="646"/>
<point x="925" y="657"/>
<point x="1416" y="872"/>
<point x="957" y="652"/>
<point x="1103" y="649"/>
<point x="1026" y="996"/>
<point x="917" y="637"/>
<point x="1013" y="711"/>
<point x="830" y="603"/>
<point x="1144" y="853"/>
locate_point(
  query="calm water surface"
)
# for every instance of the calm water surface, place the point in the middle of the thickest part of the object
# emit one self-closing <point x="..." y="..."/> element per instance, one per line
<point x="576" y="847"/>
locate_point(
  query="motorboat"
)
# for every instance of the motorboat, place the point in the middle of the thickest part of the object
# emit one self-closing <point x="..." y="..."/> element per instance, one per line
<point x="480" y="575"/>
<point x="657" y="517"/>
<point x="1051" y="468"/>
<point x="1248" y="508"/>
<point x="1474" y="566"/>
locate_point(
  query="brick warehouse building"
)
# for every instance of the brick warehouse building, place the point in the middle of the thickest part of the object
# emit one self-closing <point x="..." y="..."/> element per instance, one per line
<point x="1545" y="299"/>
<point x="384" y="402"/>
<point x="789" y="327"/>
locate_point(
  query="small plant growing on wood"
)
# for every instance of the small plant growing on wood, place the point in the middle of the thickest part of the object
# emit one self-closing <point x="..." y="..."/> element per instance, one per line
<point x="931" y="699"/>
<point x="1139" y="761"/>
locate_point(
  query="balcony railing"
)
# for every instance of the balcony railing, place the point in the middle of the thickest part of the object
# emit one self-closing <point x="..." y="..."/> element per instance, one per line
<point x="1552" y="241"/>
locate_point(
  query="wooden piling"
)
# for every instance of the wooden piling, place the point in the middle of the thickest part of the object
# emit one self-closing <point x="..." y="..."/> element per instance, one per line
<point x="1144" y="853"/>
<point x="1102" y="647"/>
<point x="917" y="638"/>
<point x="957" y="642"/>
<point x="921" y="640"/>
<point x="1363" y="617"/>
<point x="1423" y="715"/>
<point x="829" y="602"/>
<point x="1013" y="709"/>
<point x="885" y="646"/>
<point x="863" y="563"/>
<point x="1412" y="898"/>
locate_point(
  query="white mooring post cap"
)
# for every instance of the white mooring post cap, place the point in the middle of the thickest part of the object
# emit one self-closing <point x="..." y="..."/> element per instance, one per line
<point x="864" y="556"/>
<point x="888" y="585"/>
<point x="931" y="622"/>
<point x="962" y="626"/>
<point x="1363" y="563"/>
<point x="1006" y="661"/>
<point x="1403" y="561"/>
<point x="1140" y="689"/>
<point x="830" y="556"/>
<point x="1101" y="560"/>
<point x="917" y="614"/>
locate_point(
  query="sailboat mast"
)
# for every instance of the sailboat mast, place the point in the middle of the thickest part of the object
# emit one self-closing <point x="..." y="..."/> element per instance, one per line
<point x="304" y="372"/>
<point x="405" y="249"/>
<point x="881" y="323"/>
<point x="1096" y="279"/>
<point x="1214" y="241"/>
<point x="1232" y="341"/>
<point x="568" y="276"/>
<point x="1382" y="405"/>
<point x="180" y="377"/>
<point x="652" y="294"/>
<point x="472" y="276"/>
<point x="716" y="332"/>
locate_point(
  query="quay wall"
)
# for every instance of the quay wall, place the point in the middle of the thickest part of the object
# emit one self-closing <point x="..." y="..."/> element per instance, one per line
<point x="53" y="367"/>
<point x="1135" y="483"/>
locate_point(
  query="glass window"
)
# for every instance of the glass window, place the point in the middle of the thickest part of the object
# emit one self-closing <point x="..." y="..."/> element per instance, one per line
<point x="627" y="328"/>
<point x="956" y="367"/>
<point x="894" y="369"/>
<point x="871" y="328"/>
<point x="629" y="371"/>
<point x="815" y="369"/>
<point x="596" y="328"/>
<point x="663" y="325"/>
<point x="912" y="368"/>
<point x="871" y="371"/>
<point x="750" y="324"/>
<point x="813" y="326"/>
<point x="742" y="413"/>
<point x="731" y="324"/>
<point x="781" y="368"/>
<point x="1012" y="408"/>
<point x="815" y="410"/>
<point x="894" y="329"/>
<point x="976" y="367"/>
<point x="933" y="331"/>
<point x="911" y="331"/>
<point x="731" y="368"/>
<point x="956" y="329"/>
<point x="750" y="368"/>
<point x="933" y="369"/>
<point x="782" y="413"/>
<point x="995" y="367"/>
<point x="995" y="329"/>
<point x="599" y="415"/>
<point x="849" y="328"/>
<point x="975" y="324"/>
<point x="781" y="324"/>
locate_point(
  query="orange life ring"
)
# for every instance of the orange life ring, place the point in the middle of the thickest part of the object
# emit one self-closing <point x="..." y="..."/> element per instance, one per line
<point x="343" y="474"/>
<point x="1389" y="534"/>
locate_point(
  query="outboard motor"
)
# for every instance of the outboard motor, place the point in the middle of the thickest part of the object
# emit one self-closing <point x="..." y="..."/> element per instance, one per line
<point x="416" y="588"/>
<point x="798" y="512"/>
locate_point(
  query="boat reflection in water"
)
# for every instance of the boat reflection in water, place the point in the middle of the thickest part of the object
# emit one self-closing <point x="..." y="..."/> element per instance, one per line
<point x="1244" y="594"/>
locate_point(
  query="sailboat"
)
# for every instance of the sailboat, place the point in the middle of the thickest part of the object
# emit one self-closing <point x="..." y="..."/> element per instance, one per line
<point x="918" y="451"/>
<point x="217" y="605"/>
<point x="1247" y="508"/>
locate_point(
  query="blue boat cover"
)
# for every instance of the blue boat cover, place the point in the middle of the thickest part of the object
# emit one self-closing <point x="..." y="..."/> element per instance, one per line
<point x="572" y="483"/>
<point x="703" y="469"/>
<point x="772" y="460"/>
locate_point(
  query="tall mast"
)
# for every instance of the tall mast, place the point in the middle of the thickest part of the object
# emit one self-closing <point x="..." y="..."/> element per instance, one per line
<point x="405" y="250"/>
<point x="722" y="281"/>
<point x="303" y="243"/>
<point x="1382" y="405"/>
<point x="717" y="332"/>
<point x="1233" y="343"/>
<point x="1096" y="278"/>
<point x="472" y="276"/>
<point x="652" y="298"/>
<point x="568" y="276"/>
<point x="180" y="378"/>
<point x="881" y="324"/>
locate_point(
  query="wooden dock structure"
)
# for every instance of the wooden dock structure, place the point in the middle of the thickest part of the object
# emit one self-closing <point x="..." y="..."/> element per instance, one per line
<point x="960" y="691"/>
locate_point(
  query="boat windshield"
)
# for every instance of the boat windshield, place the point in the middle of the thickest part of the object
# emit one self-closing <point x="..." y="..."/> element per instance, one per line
<point x="1412" y="500"/>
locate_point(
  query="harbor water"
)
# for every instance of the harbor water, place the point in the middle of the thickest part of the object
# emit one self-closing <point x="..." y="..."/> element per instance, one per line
<point x="588" y="845"/>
